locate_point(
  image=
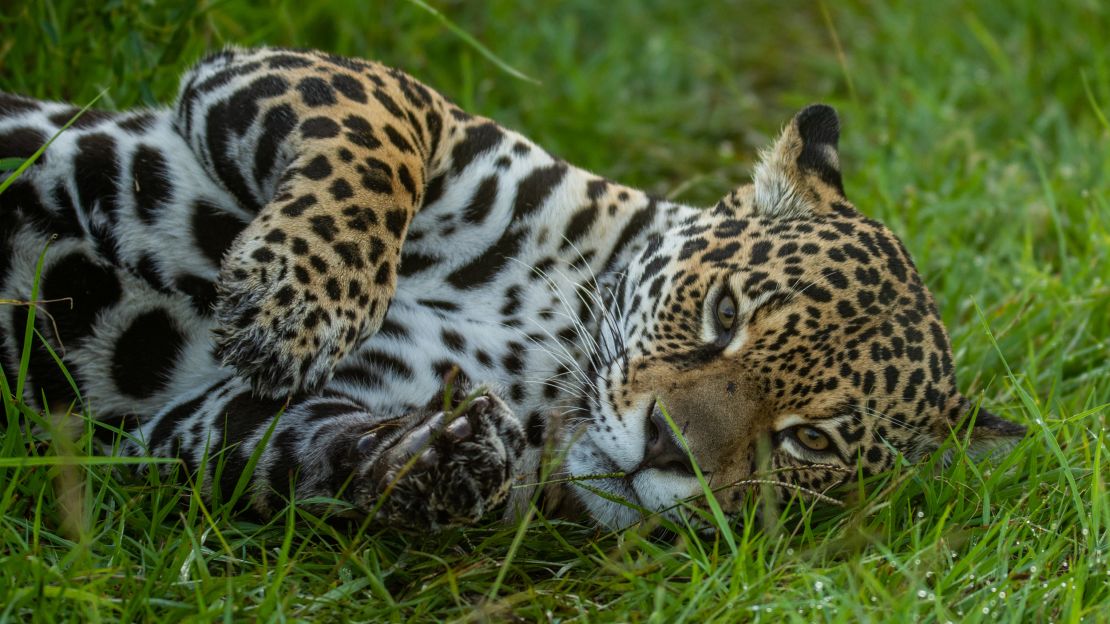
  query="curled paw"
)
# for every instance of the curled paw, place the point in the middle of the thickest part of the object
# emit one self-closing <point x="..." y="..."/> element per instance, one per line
<point x="447" y="470"/>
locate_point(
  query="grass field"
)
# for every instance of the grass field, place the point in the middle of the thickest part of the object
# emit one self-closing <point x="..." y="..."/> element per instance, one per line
<point x="978" y="133"/>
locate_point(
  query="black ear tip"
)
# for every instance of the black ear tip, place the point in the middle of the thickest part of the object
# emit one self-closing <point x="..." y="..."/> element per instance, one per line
<point x="818" y="123"/>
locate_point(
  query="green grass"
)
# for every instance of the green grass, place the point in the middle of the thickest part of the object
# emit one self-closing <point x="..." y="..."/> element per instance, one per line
<point x="978" y="133"/>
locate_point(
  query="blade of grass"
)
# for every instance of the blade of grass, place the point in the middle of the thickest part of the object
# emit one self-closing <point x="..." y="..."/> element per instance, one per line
<point x="474" y="43"/>
<point x="31" y="160"/>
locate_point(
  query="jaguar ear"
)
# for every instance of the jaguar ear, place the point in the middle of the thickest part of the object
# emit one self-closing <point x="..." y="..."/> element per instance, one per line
<point x="800" y="173"/>
<point x="990" y="434"/>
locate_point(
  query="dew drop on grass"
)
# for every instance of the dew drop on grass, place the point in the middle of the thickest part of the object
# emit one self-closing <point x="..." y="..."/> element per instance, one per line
<point x="818" y="586"/>
<point x="921" y="593"/>
<point x="1033" y="569"/>
<point x="986" y="610"/>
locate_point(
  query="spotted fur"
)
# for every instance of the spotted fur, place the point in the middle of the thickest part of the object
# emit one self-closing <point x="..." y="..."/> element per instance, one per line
<point x="294" y="257"/>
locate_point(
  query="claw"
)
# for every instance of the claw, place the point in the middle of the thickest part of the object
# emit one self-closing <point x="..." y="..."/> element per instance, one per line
<point x="428" y="458"/>
<point x="480" y="405"/>
<point x="367" y="443"/>
<point x="418" y="438"/>
<point x="460" y="428"/>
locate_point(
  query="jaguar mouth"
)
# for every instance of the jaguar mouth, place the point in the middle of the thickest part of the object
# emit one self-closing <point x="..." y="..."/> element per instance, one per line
<point x="596" y="470"/>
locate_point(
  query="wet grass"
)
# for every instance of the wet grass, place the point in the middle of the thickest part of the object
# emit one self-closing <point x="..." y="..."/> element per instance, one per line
<point x="979" y="133"/>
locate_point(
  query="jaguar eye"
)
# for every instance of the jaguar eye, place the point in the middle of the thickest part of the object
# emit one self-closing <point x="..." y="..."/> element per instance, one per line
<point x="726" y="312"/>
<point x="812" y="438"/>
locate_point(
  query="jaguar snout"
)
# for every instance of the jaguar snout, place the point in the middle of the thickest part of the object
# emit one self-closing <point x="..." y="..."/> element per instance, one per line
<point x="663" y="450"/>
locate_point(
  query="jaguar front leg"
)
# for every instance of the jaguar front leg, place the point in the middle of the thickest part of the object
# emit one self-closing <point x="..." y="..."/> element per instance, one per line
<point x="334" y="154"/>
<point x="424" y="470"/>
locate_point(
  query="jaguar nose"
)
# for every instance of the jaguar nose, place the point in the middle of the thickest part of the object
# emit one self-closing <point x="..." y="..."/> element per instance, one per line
<point x="664" y="451"/>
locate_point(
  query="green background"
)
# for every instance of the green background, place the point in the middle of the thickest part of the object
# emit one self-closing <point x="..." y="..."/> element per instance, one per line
<point x="977" y="131"/>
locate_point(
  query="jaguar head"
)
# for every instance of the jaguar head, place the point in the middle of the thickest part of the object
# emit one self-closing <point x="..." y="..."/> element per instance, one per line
<point x="781" y="336"/>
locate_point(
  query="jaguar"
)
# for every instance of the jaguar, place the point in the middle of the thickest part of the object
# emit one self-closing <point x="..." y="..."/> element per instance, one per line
<point x="313" y="278"/>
